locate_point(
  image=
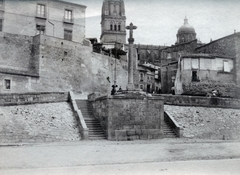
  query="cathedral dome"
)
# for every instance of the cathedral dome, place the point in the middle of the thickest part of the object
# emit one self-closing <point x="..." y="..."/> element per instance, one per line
<point x="186" y="28"/>
<point x="186" y="33"/>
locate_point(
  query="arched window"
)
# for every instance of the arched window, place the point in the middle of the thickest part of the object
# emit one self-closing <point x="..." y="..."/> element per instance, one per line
<point x="111" y="27"/>
<point x="119" y="27"/>
<point x="115" y="27"/>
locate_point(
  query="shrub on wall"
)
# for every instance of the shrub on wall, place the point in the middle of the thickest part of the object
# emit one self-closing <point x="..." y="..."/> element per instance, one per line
<point x="204" y="89"/>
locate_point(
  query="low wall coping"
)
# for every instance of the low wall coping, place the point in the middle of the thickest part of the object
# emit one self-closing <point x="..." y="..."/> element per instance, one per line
<point x="32" y="93"/>
<point x="130" y="96"/>
<point x="182" y="100"/>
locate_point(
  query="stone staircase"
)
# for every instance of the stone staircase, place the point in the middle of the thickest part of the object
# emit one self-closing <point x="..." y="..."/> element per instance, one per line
<point x="95" y="129"/>
<point x="168" y="131"/>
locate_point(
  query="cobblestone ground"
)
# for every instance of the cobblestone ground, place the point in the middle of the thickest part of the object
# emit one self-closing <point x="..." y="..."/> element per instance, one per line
<point x="38" y="123"/>
<point x="207" y="123"/>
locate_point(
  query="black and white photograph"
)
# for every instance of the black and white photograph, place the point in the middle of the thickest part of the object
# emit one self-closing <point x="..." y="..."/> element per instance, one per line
<point x="119" y="87"/>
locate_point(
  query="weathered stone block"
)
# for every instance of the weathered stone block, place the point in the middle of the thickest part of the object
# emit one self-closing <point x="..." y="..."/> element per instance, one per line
<point x="131" y="132"/>
<point x="121" y="135"/>
<point x="138" y="132"/>
<point x="143" y="137"/>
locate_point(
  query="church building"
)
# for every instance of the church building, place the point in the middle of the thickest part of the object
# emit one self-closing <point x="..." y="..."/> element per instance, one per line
<point x="192" y="68"/>
<point x="186" y="33"/>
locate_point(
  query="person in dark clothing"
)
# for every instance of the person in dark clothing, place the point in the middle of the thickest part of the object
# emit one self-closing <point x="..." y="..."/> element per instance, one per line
<point x="113" y="92"/>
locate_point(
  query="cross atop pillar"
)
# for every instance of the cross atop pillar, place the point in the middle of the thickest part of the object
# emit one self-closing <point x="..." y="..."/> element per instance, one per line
<point x="131" y="27"/>
<point x="130" y="85"/>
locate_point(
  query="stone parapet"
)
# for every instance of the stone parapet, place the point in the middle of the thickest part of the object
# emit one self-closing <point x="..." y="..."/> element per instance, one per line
<point x="130" y="116"/>
<point x="181" y="100"/>
<point x="32" y="98"/>
<point x="79" y="117"/>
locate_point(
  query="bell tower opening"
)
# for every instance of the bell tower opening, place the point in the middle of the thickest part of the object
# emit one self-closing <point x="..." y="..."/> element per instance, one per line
<point x="113" y="15"/>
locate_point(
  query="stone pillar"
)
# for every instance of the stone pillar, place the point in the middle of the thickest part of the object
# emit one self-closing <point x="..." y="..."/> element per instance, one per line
<point x="130" y="85"/>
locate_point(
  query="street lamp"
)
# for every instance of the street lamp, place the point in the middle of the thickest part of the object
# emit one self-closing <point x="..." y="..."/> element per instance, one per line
<point x="117" y="46"/>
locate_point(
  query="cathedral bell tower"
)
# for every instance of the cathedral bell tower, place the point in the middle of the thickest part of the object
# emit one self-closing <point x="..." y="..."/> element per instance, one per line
<point x="113" y="22"/>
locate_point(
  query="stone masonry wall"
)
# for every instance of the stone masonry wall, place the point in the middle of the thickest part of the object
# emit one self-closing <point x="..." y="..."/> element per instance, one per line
<point x="16" y="54"/>
<point x="207" y="123"/>
<point x="31" y="98"/>
<point x="205" y="88"/>
<point x="48" y="64"/>
<point x="130" y="117"/>
<point x="237" y="64"/>
<point x="66" y="66"/>
<point x="37" y="123"/>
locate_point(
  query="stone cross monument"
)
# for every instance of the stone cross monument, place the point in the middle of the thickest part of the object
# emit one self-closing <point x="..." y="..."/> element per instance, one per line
<point x="130" y="85"/>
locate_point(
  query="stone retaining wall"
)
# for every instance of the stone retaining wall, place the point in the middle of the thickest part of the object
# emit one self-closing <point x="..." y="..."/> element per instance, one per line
<point x="207" y="123"/>
<point x="31" y="98"/>
<point x="38" y="123"/>
<point x="130" y="116"/>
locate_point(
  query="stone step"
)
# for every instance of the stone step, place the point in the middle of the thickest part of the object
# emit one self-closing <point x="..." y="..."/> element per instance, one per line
<point x="97" y="138"/>
<point x="168" y="131"/>
<point x="96" y="134"/>
<point x="87" y="115"/>
<point x="92" y="122"/>
<point x="95" y="129"/>
<point x="86" y="111"/>
<point x="94" y="126"/>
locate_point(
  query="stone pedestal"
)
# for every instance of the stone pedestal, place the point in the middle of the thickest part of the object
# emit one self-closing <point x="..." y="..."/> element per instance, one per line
<point x="130" y="116"/>
<point x="130" y="85"/>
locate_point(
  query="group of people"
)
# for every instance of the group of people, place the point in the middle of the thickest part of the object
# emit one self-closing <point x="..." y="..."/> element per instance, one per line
<point x="114" y="91"/>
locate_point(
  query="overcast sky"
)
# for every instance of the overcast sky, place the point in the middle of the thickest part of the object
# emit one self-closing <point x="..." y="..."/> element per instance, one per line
<point x="159" y="20"/>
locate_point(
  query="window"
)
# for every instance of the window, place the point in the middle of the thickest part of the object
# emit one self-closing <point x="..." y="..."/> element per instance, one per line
<point x="1" y="24"/>
<point x="41" y="11"/>
<point x="40" y="29"/>
<point x="68" y="35"/>
<point x="7" y="84"/>
<point x="115" y="27"/>
<point x="195" y="63"/>
<point x="226" y="67"/>
<point x="141" y="86"/>
<point x="111" y="27"/>
<point x="68" y="16"/>
<point x="194" y="76"/>
<point x="141" y="76"/>
<point x="119" y="27"/>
